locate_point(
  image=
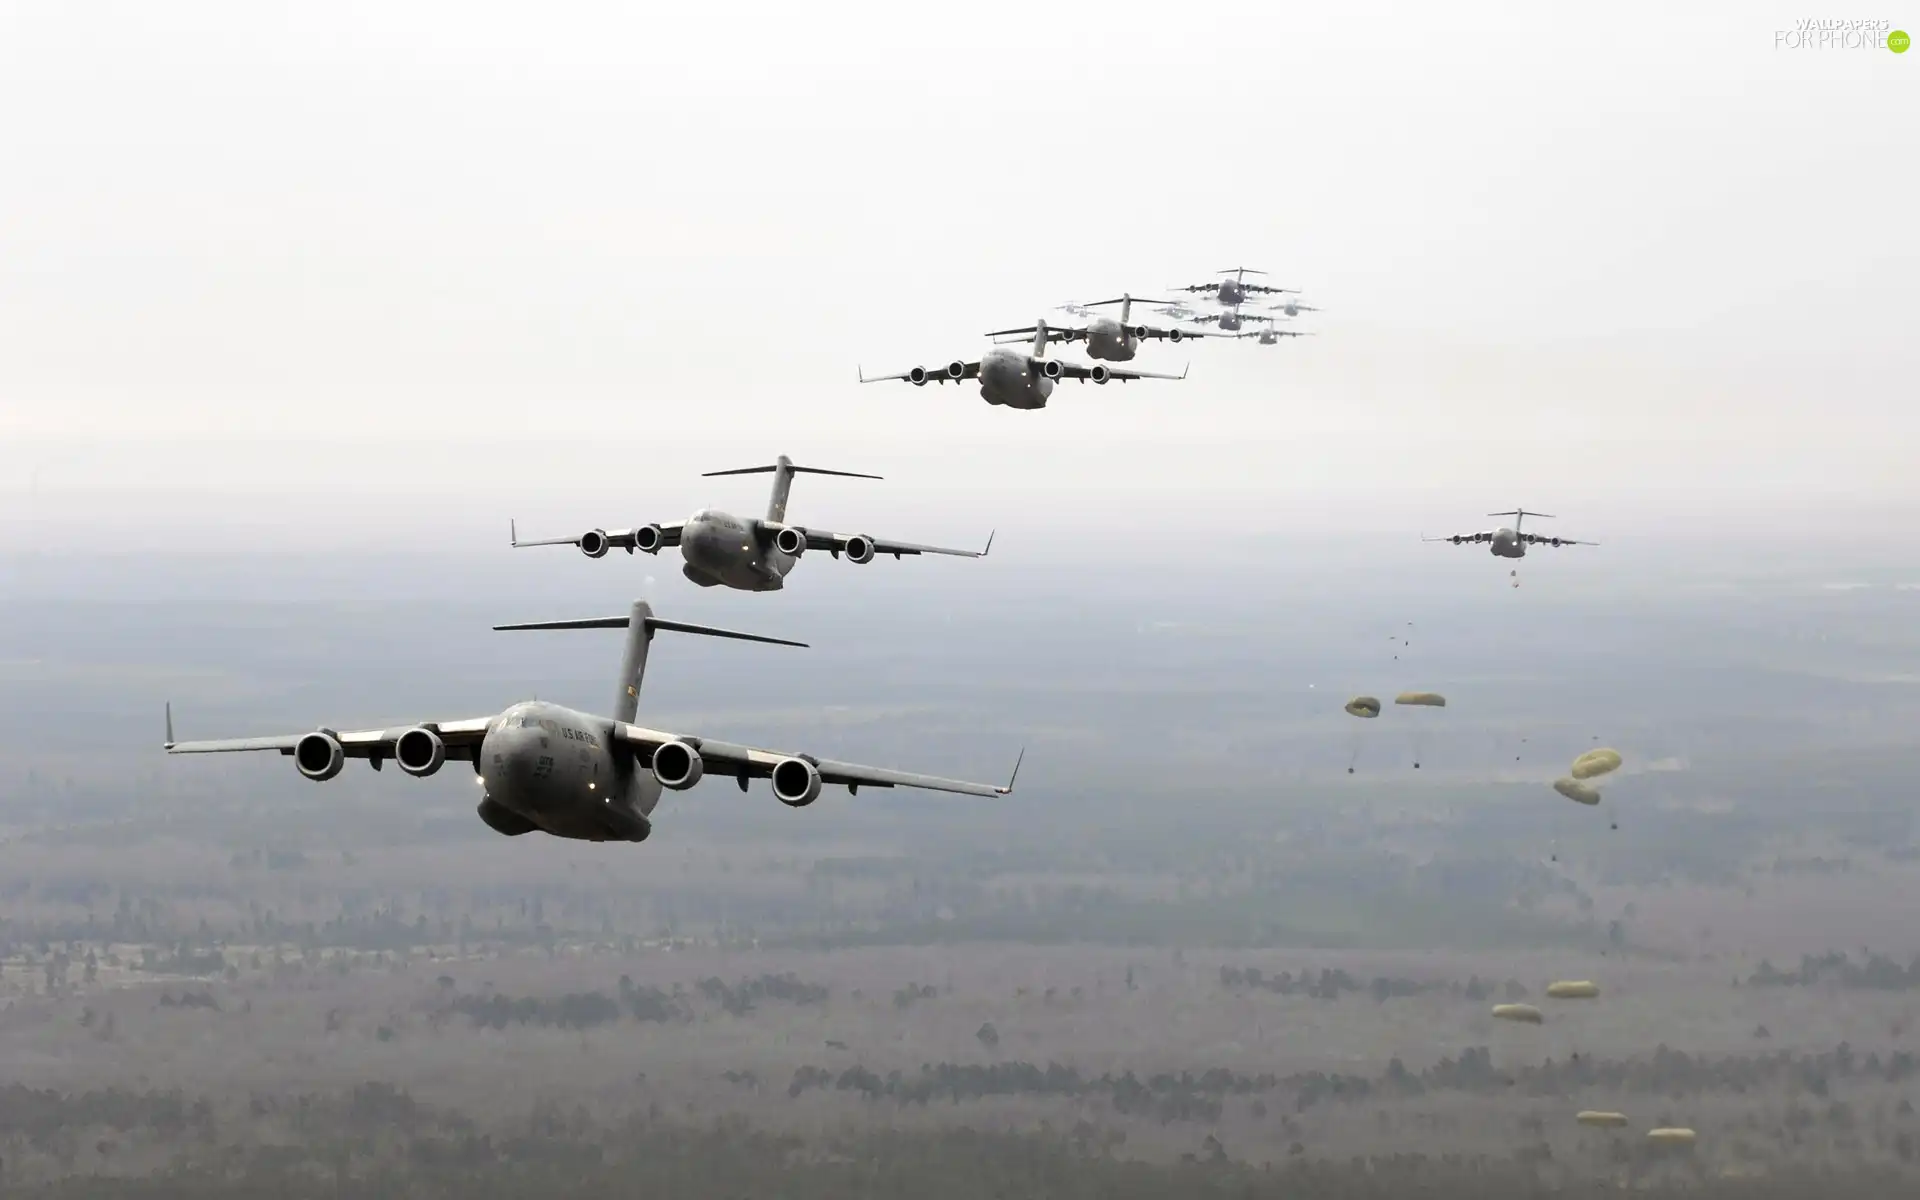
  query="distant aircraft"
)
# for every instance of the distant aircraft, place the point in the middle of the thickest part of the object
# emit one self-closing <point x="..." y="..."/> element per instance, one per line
<point x="1113" y="340"/>
<point x="571" y="774"/>
<point x="1507" y="542"/>
<point x="1293" y="308"/>
<point x="1273" y="333"/>
<point x="1178" y="311"/>
<point x="722" y="550"/>
<point x="1230" y="319"/>
<point x="1018" y="380"/>
<point x="1235" y="290"/>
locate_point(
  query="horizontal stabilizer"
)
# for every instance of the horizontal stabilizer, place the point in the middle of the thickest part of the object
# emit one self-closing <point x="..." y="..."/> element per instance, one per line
<point x="771" y="467"/>
<point x="653" y="624"/>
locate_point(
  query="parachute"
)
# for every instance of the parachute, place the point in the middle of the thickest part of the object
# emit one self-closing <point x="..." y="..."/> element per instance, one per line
<point x="1524" y="1013"/>
<point x="1605" y="1120"/>
<point x="1363" y="706"/>
<point x="1573" y="990"/>
<point x="1671" y="1137"/>
<point x="1420" y="700"/>
<point x="1579" y="793"/>
<point x="1596" y="762"/>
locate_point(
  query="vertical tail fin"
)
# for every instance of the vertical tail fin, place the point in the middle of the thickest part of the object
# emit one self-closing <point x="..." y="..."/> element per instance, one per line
<point x="640" y="625"/>
<point x="783" y="473"/>
<point x="1039" y="338"/>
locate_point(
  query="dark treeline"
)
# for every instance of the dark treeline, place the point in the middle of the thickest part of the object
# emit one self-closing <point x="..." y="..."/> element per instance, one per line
<point x="1332" y="984"/>
<point x="549" y="1159"/>
<point x="1836" y="966"/>
<point x="1170" y="1096"/>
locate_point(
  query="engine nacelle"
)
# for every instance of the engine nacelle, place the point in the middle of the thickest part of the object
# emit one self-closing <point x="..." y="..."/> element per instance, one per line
<point x="594" y="544"/>
<point x="1049" y="368"/>
<point x="917" y="377"/>
<point x="1139" y="333"/>
<point x="956" y="369"/>
<point x="678" y="766"/>
<point x="419" y="751"/>
<point x="319" y="756"/>
<point x="1174" y="335"/>
<point x="859" y="549"/>
<point x="1555" y="542"/>
<point x="790" y="541"/>
<point x="647" y="539"/>
<point x="796" y="782"/>
<point x="1100" y="373"/>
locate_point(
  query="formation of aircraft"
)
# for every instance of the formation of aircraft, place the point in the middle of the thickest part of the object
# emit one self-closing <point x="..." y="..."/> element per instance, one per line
<point x="719" y="549"/>
<point x="543" y="767"/>
<point x="547" y="768"/>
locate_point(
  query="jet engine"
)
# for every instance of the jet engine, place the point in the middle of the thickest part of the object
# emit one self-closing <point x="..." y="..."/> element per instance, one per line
<point x="593" y="543"/>
<point x="1049" y="367"/>
<point x="956" y="369"/>
<point x="1174" y="335"/>
<point x="796" y="782"/>
<point x="1140" y="333"/>
<point x="917" y="377"/>
<point x="678" y="766"/>
<point x="1554" y="542"/>
<point x="647" y="539"/>
<point x="859" y="549"/>
<point x="1100" y="374"/>
<point x="319" y="756"/>
<point x="419" y="751"/>
<point x="790" y="541"/>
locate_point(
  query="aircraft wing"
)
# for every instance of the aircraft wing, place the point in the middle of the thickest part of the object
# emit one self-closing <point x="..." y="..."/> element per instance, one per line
<point x="968" y="370"/>
<point x="1263" y="289"/>
<point x="1123" y="374"/>
<point x="834" y="543"/>
<point x="1543" y="539"/>
<point x="1462" y="538"/>
<point x="463" y="736"/>
<point x="747" y="762"/>
<point x="1054" y="333"/>
<point x="1168" y="333"/>
<point x="616" y="539"/>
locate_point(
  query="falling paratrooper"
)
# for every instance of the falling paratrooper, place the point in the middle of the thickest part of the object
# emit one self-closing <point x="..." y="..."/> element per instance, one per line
<point x="1366" y="708"/>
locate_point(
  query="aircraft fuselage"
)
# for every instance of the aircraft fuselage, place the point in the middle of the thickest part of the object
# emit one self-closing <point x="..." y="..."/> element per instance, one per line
<point x="1108" y="339"/>
<point x="1008" y="378"/>
<point x="1507" y="544"/>
<point x="551" y="769"/>
<point x="723" y="550"/>
<point x="1231" y="292"/>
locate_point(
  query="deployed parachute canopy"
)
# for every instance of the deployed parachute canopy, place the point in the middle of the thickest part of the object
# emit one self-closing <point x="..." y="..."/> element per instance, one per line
<point x="1596" y="762"/>
<point x="1606" y="1120"/>
<point x="1573" y="990"/>
<point x="1363" y="706"/>
<point x="1426" y="699"/>
<point x="1579" y="793"/>
<point x="1525" y="1013"/>
<point x="1671" y="1137"/>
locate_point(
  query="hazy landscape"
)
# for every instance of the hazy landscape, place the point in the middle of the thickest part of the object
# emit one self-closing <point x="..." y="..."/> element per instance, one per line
<point x="1189" y="941"/>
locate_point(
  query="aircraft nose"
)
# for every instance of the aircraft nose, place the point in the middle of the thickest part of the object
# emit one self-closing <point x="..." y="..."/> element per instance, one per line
<point x="510" y="758"/>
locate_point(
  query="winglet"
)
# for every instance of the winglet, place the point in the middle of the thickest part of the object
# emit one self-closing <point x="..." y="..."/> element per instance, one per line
<point x="989" y="549"/>
<point x="513" y="532"/>
<point x="170" y="742"/>
<point x="862" y="371"/>
<point x="1008" y="790"/>
<point x="1183" y="370"/>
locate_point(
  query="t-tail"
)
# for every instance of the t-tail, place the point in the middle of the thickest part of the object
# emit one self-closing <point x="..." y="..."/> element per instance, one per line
<point x="640" y="625"/>
<point x="1039" y="338"/>
<point x="1519" y="515"/>
<point x="783" y="473"/>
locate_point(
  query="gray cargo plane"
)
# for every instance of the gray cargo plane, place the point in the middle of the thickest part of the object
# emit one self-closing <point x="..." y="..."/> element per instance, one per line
<point x="1018" y="379"/>
<point x="1107" y="338"/>
<point x="1235" y="290"/>
<point x="722" y="550"/>
<point x="1230" y="319"/>
<point x="1506" y="542"/>
<point x="1293" y="308"/>
<point x="546" y="768"/>
<point x="1273" y="333"/>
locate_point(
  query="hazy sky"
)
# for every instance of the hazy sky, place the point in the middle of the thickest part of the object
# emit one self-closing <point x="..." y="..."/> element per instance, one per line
<point x="276" y="264"/>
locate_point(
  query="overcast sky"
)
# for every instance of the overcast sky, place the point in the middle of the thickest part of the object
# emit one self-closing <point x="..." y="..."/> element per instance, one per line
<point x="279" y="264"/>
